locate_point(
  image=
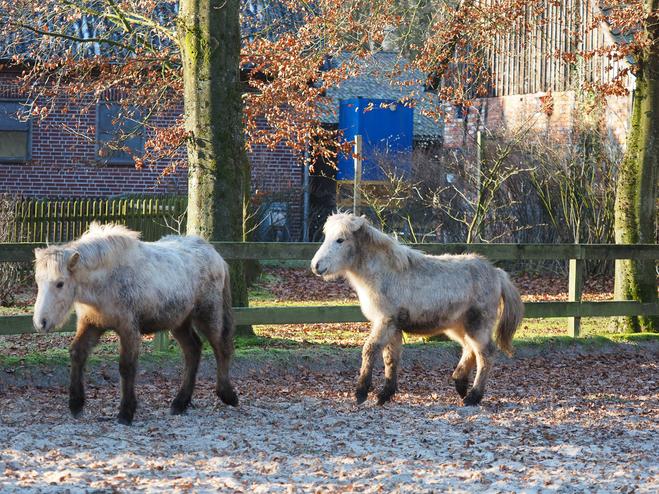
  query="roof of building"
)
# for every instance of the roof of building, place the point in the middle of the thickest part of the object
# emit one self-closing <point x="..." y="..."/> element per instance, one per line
<point x="377" y="81"/>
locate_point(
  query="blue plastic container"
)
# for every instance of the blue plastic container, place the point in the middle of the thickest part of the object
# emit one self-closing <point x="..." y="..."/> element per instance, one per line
<point x="387" y="130"/>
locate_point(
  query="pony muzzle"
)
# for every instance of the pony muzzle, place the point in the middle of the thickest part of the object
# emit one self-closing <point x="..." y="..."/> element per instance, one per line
<point x="317" y="269"/>
<point x="41" y="324"/>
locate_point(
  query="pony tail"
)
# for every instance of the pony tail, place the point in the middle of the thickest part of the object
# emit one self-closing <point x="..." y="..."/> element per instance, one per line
<point x="511" y="314"/>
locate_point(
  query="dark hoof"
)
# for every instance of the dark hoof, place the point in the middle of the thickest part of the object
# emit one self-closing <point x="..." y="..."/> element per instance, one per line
<point x="76" y="407"/>
<point x="361" y="395"/>
<point x="228" y="396"/>
<point x="473" y="399"/>
<point x="383" y="398"/>
<point x="461" y="386"/>
<point x="179" y="406"/>
<point x="385" y="395"/>
<point x="125" y="418"/>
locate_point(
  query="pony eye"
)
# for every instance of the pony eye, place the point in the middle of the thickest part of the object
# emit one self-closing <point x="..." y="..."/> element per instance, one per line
<point x="60" y="284"/>
<point x="340" y="240"/>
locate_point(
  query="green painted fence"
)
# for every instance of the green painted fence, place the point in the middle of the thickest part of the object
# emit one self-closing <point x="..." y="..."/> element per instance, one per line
<point x="66" y="220"/>
<point x="574" y="309"/>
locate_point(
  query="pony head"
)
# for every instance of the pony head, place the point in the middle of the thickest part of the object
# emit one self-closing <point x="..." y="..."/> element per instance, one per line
<point x="339" y="249"/>
<point x="54" y="270"/>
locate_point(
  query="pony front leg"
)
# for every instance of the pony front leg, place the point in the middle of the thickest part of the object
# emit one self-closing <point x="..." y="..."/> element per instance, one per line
<point x="391" y="357"/>
<point x="129" y="351"/>
<point x="381" y="334"/>
<point x="87" y="337"/>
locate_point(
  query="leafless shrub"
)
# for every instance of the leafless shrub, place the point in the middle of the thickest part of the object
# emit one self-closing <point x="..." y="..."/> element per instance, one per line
<point x="530" y="189"/>
<point x="12" y="274"/>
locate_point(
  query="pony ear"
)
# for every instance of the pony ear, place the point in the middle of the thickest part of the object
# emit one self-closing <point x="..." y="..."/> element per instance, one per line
<point x="38" y="252"/>
<point x="359" y="223"/>
<point x="73" y="261"/>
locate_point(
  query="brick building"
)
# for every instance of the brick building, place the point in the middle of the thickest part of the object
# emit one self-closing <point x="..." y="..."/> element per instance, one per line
<point x="532" y="88"/>
<point x="47" y="162"/>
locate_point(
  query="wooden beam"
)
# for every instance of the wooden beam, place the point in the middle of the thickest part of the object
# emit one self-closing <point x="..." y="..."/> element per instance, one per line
<point x="24" y="252"/>
<point x="575" y="285"/>
<point x="352" y="313"/>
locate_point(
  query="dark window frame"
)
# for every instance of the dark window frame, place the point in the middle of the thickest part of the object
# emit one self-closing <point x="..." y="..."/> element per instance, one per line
<point x="15" y="125"/>
<point x="106" y="111"/>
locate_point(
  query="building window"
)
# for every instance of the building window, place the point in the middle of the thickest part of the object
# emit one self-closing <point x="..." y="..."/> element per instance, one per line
<point x="15" y="133"/>
<point x="120" y="133"/>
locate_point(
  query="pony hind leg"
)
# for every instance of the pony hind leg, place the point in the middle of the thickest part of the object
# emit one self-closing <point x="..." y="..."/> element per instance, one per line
<point x="463" y="370"/>
<point x="220" y="338"/>
<point x="485" y="358"/>
<point x="478" y="326"/>
<point x="87" y="337"/>
<point x="191" y="346"/>
<point x="391" y="356"/>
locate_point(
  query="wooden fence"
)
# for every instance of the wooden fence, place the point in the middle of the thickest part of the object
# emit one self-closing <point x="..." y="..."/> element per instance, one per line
<point x="62" y="221"/>
<point x="574" y="309"/>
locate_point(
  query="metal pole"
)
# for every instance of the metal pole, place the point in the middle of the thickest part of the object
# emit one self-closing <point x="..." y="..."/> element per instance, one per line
<point x="305" y="192"/>
<point x="357" y="195"/>
<point x="479" y="162"/>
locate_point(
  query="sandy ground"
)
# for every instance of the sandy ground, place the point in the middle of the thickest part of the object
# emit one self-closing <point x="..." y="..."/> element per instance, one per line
<point x="558" y="422"/>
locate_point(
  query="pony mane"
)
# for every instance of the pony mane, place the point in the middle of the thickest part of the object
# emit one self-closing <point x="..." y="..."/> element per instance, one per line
<point x="97" y="245"/>
<point x="399" y="255"/>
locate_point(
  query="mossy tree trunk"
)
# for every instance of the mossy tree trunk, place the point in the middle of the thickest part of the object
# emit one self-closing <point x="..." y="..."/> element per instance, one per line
<point x="210" y="43"/>
<point x="635" y="208"/>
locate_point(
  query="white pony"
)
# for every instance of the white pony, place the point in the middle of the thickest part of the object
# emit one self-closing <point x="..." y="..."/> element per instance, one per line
<point x="403" y="290"/>
<point x="118" y="282"/>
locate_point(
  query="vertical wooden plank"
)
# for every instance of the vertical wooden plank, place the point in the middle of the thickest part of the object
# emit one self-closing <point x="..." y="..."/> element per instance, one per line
<point x="39" y="221"/>
<point x="67" y="229"/>
<point x="574" y="295"/>
<point x="88" y="215"/>
<point x="161" y="341"/>
<point x="123" y="210"/>
<point x="130" y="218"/>
<point x="160" y="206"/>
<point x="48" y="220"/>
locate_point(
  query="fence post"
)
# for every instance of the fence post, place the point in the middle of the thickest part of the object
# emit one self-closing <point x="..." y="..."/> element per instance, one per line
<point x="574" y="294"/>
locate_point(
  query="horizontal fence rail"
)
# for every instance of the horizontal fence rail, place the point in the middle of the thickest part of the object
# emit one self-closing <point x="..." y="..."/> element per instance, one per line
<point x="574" y="309"/>
<point x="304" y="251"/>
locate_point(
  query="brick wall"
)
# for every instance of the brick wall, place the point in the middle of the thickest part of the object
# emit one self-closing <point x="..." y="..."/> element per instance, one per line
<point x="61" y="165"/>
<point x="277" y="176"/>
<point x="526" y="110"/>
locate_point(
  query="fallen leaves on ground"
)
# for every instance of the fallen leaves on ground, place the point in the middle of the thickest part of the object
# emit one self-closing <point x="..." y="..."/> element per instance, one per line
<point x="549" y="423"/>
<point x="300" y="284"/>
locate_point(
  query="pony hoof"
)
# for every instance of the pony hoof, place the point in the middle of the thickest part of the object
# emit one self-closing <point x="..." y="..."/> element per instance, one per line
<point x="179" y="408"/>
<point x="228" y="397"/>
<point x="360" y="396"/>
<point x="472" y="400"/>
<point x="461" y="386"/>
<point x="76" y="413"/>
<point x="383" y="398"/>
<point x="382" y="401"/>
<point x="124" y="418"/>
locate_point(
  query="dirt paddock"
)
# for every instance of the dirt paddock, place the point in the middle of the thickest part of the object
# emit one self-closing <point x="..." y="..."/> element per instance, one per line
<point x="551" y="422"/>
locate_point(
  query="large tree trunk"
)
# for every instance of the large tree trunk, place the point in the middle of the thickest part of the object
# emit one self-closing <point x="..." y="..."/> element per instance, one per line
<point x="635" y="208"/>
<point x="210" y="42"/>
